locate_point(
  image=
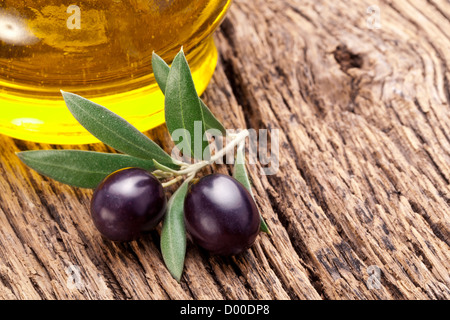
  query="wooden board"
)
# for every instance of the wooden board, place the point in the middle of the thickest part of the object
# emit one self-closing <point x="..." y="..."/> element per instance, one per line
<point x="363" y="183"/>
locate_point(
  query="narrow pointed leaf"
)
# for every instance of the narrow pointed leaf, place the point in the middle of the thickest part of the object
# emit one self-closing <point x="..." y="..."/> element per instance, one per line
<point x="264" y="227"/>
<point x="113" y="130"/>
<point x="211" y="122"/>
<point x="161" y="71"/>
<point x="85" y="169"/>
<point x="240" y="174"/>
<point x="173" y="233"/>
<point x="182" y="107"/>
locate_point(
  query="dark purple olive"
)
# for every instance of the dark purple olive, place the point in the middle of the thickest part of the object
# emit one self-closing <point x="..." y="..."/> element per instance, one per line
<point x="126" y="203"/>
<point x="220" y="215"/>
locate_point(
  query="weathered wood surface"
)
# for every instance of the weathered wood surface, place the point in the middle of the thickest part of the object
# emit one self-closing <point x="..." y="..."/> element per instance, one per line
<point x="364" y="168"/>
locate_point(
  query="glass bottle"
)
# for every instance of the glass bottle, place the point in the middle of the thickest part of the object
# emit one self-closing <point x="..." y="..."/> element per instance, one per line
<point x="100" y="50"/>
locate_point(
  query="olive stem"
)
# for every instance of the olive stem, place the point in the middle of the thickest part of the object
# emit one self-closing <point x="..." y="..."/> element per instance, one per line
<point x="162" y="174"/>
<point x="192" y="169"/>
<point x="171" y="182"/>
<point x="239" y="138"/>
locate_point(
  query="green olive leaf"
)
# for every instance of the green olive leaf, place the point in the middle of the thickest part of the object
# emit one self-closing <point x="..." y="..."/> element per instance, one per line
<point x="114" y="131"/>
<point x="240" y="174"/>
<point x="173" y="233"/>
<point x="183" y="112"/>
<point x="161" y="71"/>
<point x="78" y="168"/>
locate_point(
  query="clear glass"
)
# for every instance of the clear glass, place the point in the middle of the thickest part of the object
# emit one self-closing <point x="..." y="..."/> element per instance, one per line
<point x="98" y="49"/>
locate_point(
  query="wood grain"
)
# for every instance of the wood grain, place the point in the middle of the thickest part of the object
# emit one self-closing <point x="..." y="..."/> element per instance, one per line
<point x="363" y="181"/>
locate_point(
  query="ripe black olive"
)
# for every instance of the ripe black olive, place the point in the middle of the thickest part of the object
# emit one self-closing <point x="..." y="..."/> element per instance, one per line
<point x="221" y="215"/>
<point x="126" y="203"/>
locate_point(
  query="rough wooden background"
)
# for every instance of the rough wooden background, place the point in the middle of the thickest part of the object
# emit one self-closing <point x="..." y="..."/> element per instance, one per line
<point x="364" y="173"/>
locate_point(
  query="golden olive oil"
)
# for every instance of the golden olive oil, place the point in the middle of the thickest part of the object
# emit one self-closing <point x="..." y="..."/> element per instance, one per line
<point x="100" y="50"/>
